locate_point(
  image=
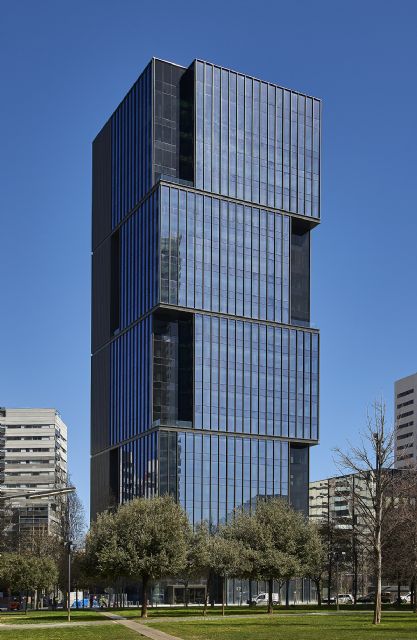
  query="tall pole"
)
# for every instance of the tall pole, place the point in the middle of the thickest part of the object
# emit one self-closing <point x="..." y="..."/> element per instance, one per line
<point x="69" y="581"/>
<point x="329" y="542"/>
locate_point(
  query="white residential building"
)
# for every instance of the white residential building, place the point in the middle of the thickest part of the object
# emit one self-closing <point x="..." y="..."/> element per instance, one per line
<point x="405" y="399"/>
<point x="33" y="458"/>
<point x="332" y="500"/>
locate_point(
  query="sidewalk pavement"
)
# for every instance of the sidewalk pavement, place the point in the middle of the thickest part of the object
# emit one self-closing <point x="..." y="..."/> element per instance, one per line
<point x="143" y="629"/>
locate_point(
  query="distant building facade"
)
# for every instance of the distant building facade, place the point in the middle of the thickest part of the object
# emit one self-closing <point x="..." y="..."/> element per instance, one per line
<point x="405" y="441"/>
<point x="33" y="458"/>
<point x="332" y="500"/>
<point x="333" y="507"/>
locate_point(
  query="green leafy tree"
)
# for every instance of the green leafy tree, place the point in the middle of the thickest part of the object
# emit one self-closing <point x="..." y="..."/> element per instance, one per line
<point x="196" y="563"/>
<point x="26" y="572"/>
<point x="47" y="572"/>
<point x="227" y="557"/>
<point x="314" y="558"/>
<point x="274" y="536"/>
<point x="144" y="540"/>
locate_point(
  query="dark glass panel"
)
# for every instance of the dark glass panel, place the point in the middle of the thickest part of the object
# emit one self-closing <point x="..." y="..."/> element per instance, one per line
<point x="174" y="122"/>
<point x="300" y="273"/>
<point x="172" y="369"/>
<point x="299" y="458"/>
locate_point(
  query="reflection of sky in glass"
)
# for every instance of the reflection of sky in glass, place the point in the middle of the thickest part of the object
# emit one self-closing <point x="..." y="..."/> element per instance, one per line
<point x="222" y="256"/>
<point x="256" y="141"/>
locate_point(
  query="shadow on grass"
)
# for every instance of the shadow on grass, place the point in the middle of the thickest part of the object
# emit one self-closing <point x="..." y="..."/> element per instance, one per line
<point x="192" y="612"/>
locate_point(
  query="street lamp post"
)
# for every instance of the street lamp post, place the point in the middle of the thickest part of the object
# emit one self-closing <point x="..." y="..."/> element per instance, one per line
<point x="342" y="554"/>
<point x="337" y="556"/>
<point x="69" y="546"/>
<point x="35" y="495"/>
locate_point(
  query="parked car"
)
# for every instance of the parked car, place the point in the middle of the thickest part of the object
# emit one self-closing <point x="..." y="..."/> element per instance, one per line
<point x="386" y="598"/>
<point x="344" y="598"/>
<point x="14" y="604"/>
<point x="263" y="598"/>
<point x="368" y="599"/>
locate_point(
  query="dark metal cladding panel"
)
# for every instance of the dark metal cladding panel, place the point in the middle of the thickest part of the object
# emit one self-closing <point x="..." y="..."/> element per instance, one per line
<point x="100" y="400"/>
<point x="105" y="482"/>
<point x="132" y="125"/>
<point x="100" y="304"/>
<point x="102" y="179"/>
<point x="100" y="485"/>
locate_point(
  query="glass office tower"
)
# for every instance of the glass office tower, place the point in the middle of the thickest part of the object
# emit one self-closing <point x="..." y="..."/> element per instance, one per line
<point x="206" y="186"/>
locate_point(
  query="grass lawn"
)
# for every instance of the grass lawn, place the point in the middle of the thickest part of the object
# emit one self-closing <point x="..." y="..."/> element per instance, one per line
<point x="187" y="612"/>
<point x="44" y="616"/>
<point x="94" y="632"/>
<point x="344" y="626"/>
<point x="192" y="612"/>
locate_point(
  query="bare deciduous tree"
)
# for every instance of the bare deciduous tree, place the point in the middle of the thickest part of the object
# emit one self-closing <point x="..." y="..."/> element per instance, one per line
<point x="405" y="523"/>
<point x="371" y="462"/>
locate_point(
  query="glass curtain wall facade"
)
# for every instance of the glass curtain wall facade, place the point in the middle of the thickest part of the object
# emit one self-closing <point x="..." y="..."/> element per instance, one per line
<point x="205" y="370"/>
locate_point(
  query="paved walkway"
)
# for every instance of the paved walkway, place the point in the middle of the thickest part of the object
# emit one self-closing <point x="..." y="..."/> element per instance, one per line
<point x="143" y="629"/>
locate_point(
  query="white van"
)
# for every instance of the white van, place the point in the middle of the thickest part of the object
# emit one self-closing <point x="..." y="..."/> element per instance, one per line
<point x="263" y="598"/>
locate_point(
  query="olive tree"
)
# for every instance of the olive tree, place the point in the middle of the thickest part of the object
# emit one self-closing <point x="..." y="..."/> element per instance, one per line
<point x="228" y="558"/>
<point x="314" y="557"/>
<point x="145" y="539"/>
<point x="217" y="553"/>
<point x="27" y="572"/>
<point x="273" y="535"/>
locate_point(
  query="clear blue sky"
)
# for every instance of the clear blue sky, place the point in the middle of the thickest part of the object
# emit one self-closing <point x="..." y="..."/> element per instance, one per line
<point x="65" y="65"/>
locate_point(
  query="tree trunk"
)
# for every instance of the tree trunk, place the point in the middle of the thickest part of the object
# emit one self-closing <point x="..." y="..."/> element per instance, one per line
<point x="355" y="572"/>
<point x="414" y="599"/>
<point x="144" y="610"/>
<point x="378" y="577"/>
<point x="318" y="589"/>
<point x="208" y="587"/>
<point x="329" y="582"/>
<point x="270" y="590"/>
<point x="223" y="580"/>
<point x="26" y="601"/>
<point x="214" y="579"/>
<point x="399" y="594"/>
